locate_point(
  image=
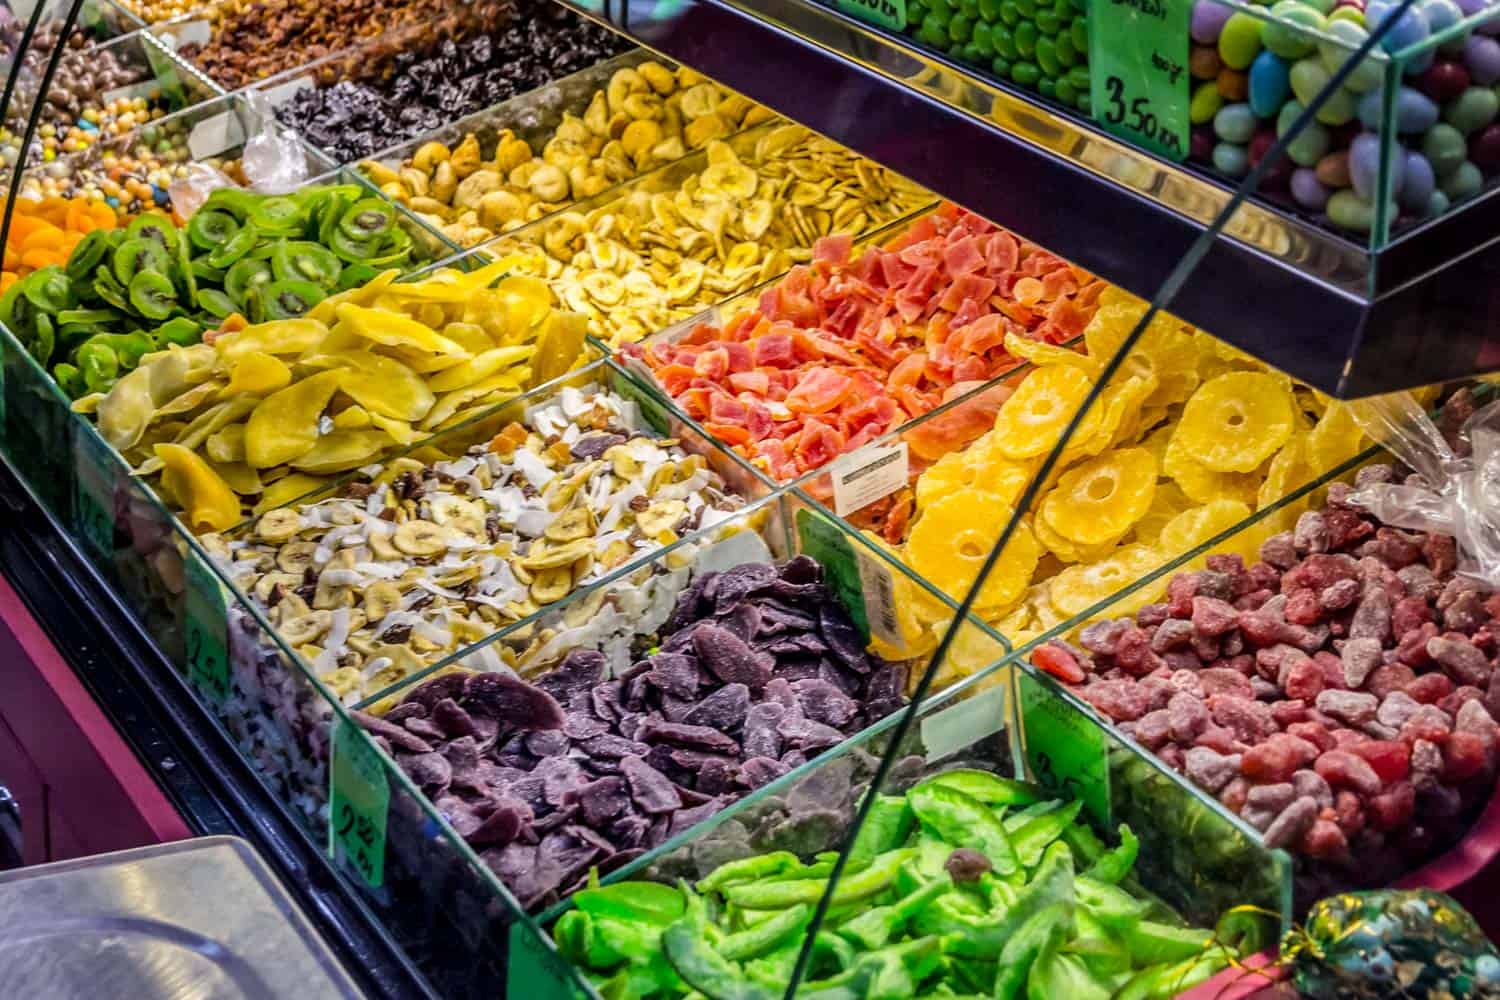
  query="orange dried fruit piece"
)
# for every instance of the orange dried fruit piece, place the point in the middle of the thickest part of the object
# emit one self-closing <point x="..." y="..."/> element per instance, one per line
<point x="1098" y="501"/>
<point x="954" y="535"/>
<point x="1202" y="483"/>
<point x="1236" y="421"/>
<point x="1078" y="588"/>
<point x="1034" y="417"/>
<point x="1192" y="528"/>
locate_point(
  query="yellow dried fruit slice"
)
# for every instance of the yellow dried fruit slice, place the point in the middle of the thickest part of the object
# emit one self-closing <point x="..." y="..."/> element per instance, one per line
<point x="1098" y="500"/>
<point x="1041" y="354"/>
<point x="1192" y="528"/>
<point x="1235" y="422"/>
<point x="1202" y="483"/>
<point x="953" y="536"/>
<point x="1068" y="550"/>
<point x="1078" y="588"/>
<point x="975" y="468"/>
<point x="1165" y="354"/>
<point x="1034" y="417"/>
<point x="1167" y="504"/>
<point x="1336" y="438"/>
<point x="1110" y="419"/>
<point x="1288" y="471"/>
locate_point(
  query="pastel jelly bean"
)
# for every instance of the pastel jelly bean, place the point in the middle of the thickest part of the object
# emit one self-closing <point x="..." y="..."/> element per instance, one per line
<point x="1235" y="123"/>
<point x="1270" y="84"/>
<point x="1231" y="160"/>
<point x="1444" y="80"/>
<point x="1414" y="111"/>
<point x="1465" y="182"/>
<point x="1205" y="103"/>
<point x="1350" y="35"/>
<point x="1482" y="60"/>
<point x="1364" y="165"/>
<point x="1311" y="145"/>
<point x="1284" y="36"/>
<point x="1444" y="148"/>
<point x="1308" y="191"/>
<point x="1484" y="147"/>
<point x="1349" y="211"/>
<point x="1417" y="183"/>
<point x="1207" y="21"/>
<point x="1240" y="40"/>
<point x="1473" y="110"/>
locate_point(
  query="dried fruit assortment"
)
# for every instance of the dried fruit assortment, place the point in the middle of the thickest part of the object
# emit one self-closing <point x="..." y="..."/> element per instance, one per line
<point x="44" y="233"/>
<point x="124" y="293"/>
<point x="647" y="115"/>
<point x="1188" y="439"/>
<point x="1339" y="693"/>
<point x="653" y="257"/>
<point x="259" y="415"/>
<point x="399" y="570"/>
<point x="968" y="884"/>
<point x="421" y="89"/>
<point x="844" y="350"/>
<point x="758" y="670"/>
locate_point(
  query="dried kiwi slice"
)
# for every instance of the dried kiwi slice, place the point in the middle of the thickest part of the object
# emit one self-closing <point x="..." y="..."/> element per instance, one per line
<point x="139" y="254"/>
<point x="216" y="303"/>
<point x="108" y="288"/>
<point x="244" y="278"/>
<point x="203" y="272"/>
<point x="185" y="267"/>
<point x="209" y="228"/>
<point x="49" y="289"/>
<point x="288" y="299"/>
<point x="151" y="226"/>
<point x="355" y="275"/>
<point x="368" y="219"/>
<point x="354" y="250"/>
<point x="87" y="255"/>
<point x="11" y="304"/>
<point x="43" y="339"/>
<point x="300" y="260"/>
<point x="153" y="295"/>
<point x="182" y="331"/>
<point x="235" y="247"/>
<point x="278" y="215"/>
<point x="235" y="201"/>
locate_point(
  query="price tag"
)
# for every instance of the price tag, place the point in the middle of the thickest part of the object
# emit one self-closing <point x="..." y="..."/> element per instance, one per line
<point x="214" y="134"/>
<point x="883" y="13"/>
<point x="962" y="725"/>
<point x="358" y="798"/>
<point x="283" y="92"/>
<point x="1138" y="72"/>
<point x="825" y="541"/>
<point x="871" y="473"/>
<point x="535" y="969"/>
<point x="206" y="630"/>
<point x="1065" y="750"/>
<point x="94" y="475"/>
<point x="878" y="589"/>
<point x="653" y="411"/>
<point x="188" y="33"/>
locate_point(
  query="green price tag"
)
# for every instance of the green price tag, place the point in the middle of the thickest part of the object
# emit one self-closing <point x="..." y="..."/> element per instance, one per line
<point x="94" y="474"/>
<point x="358" y="797"/>
<point x="883" y="13"/>
<point x="823" y="541"/>
<point x="535" y="970"/>
<point x="206" y="630"/>
<point x="652" y="410"/>
<point x="1138" y="72"/>
<point x="1065" y="750"/>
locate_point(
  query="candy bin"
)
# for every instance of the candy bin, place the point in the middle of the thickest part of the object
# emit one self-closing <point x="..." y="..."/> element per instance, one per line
<point x="658" y="249"/>
<point x="1328" y="685"/>
<point x="962" y="872"/>
<point x="501" y="168"/>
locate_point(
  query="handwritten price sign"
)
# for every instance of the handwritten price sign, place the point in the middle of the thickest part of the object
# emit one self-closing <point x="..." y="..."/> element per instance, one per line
<point x="885" y="13"/>
<point x="1139" y="86"/>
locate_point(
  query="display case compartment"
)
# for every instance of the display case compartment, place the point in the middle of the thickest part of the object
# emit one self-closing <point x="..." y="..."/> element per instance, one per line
<point x="1329" y="310"/>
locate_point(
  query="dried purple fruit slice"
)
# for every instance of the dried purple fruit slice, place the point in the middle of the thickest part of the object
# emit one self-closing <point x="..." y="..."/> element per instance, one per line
<point x="653" y="792"/>
<point x="723" y="710"/>
<point x="512" y="701"/>
<point x="730" y="659"/>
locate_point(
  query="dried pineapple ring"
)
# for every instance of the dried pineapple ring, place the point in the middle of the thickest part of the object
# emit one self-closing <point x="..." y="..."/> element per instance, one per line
<point x="1169" y="501"/>
<point x="1078" y="588"/>
<point x="955" y="534"/>
<point x="1165" y="353"/>
<point x="1098" y="501"/>
<point x="1192" y="528"/>
<point x="1067" y="550"/>
<point x="1033" y="418"/>
<point x="1200" y="482"/>
<point x="1109" y="420"/>
<point x="1335" y="439"/>
<point x="1288" y="472"/>
<point x="1237" y="421"/>
<point x="977" y="468"/>
<point x="1041" y="354"/>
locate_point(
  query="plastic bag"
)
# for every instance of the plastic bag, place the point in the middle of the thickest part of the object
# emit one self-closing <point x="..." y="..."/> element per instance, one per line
<point x="273" y="159"/>
<point x="188" y="193"/>
<point x="1457" y="494"/>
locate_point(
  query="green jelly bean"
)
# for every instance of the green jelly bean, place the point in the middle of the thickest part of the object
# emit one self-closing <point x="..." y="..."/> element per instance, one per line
<point x="1311" y="145"/>
<point x="1027" y="8"/>
<point x="932" y="33"/>
<point x="767" y="935"/>
<point x="1239" y="42"/>
<point x="1001" y="67"/>
<point x="1079" y="31"/>
<point x="1284" y="36"/>
<point x="1047" y="87"/>
<point x="1026" y="73"/>
<point x="1235" y="123"/>
<point x="1465" y="182"/>
<point x="1349" y="211"/>
<point x="960" y="28"/>
<point x="1046" y="57"/>
<point x="1472" y="110"/>
<point x="989" y="10"/>
<point x="1067" y="54"/>
<point x="969" y="8"/>
<point x="1078" y="79"/>
<point x="962" y="819"/>
<point x="982" y="41"/>
<point x="1026" y="37"/>
<point x="1004" y="41"/>
<point x="1205" y="103"/>
<point x="1085" y="102"/>
<point x="1366" y="76"/>
<point x="1308" y="78"/>
<point x="1066" y="92"/>
<point x="1048" y="23"/>
<point x="915" y="12"/>
<point x="1010" y="13"/>
<point x="1445" y="149"/>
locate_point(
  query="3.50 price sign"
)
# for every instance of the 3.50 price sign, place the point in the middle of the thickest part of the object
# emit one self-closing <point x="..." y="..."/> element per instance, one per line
<point x="1139" y="86"/>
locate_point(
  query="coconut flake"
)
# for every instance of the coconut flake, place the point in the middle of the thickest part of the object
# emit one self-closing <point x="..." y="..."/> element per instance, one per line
<point x="532" y="467"/>
<point x="333" y="645"/>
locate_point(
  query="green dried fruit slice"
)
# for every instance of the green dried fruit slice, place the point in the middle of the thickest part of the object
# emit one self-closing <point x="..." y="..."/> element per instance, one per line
<point x="215" y="303"/>
<point x="157" y="228"/>
<point x="209" y="228"/>
<point x="237" y="246"/>
<point x="367" y="219"/>
<point x="49" y="290"/>
<point x="288" y="299"/>
<point x="87" y="255"/>
<point x="277" y="215"/>
<point x="244" y="278"/>
<point x="153" y="295"/>
<point x="301" y="260"/>
<point x="139" y="254"/>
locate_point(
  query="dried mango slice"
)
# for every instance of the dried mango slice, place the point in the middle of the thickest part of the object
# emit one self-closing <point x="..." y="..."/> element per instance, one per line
<point x="1098" y="501"/>
<point x="280" y="337"/>
<point x="258" y="373"/>
<point x="341" y="451"/>
<point x="207" y="501"/>
<point x="1192" y="528"/>
<point x="558" y="346"/>
<point x="1078" y="588"/>
<point x="954" y="535"/>
<point x="1237" y="421"/>
<point x="1202" y="483"/>
<point x="285" y="424"/>
<point x="384" y="385"/>
<point x="1034" y="417"/>
<point x="394" y="329"/>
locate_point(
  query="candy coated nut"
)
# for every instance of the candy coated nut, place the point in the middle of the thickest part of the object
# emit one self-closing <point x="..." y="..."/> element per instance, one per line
<point x="1444" y="148"/>
<point x="1465" y="182"/>
<point x="1349" y="211"/>
<point x="1285" y="36"/>
<point x="1205" y="104"/>
<point x="1201" y="142"/>
<point x="1235" y="123"/>
<point x="1484" y="148"/>
<point x="1240" y="40"/>
<point x="1418" y="183"/>
<point x="1208" y="19"/>
<point x="1444" y="80"/>
<point x="1441" y="15"/>
<point x="1311" y="145"/>
<point x="1270" y="84"/>
<point x="1307" y="191"/>
<point x="1204" y="62"/>
<point x="1231" y="160"/>
<point x="1473" y="110"/>
<point x="1233" y="85"/>
<point x="1414" y="111"/>
<point x="1351" y="33"/>
<point x="1482" y="59"/>
<point x="1364" y="165"/>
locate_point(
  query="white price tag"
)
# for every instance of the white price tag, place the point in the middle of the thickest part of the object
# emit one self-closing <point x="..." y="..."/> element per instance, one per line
<point x="283" y="92"/>
<point x="739" y="548"/>
<point x="962" y="725"/>
<point x="880" y="598"/>
<point x="187" y="33"/>
<point x="869" y="474"/>
<point x="214" y="134"/>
